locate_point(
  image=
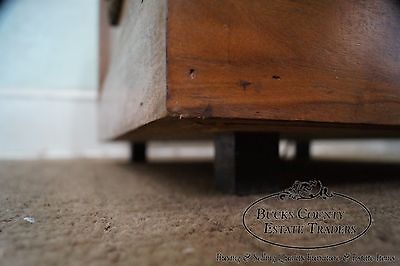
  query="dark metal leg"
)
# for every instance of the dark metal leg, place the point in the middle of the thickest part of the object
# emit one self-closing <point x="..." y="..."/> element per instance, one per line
<point x="138" y="152"/>
<point x="244" y="161"/>
<point x="303" y="150"/>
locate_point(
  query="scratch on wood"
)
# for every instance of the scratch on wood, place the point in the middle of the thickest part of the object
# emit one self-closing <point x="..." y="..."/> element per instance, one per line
<point x="207" y="112"/>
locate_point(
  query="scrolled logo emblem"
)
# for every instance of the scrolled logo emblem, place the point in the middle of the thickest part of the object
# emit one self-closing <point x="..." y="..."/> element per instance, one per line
<point x="307" y="215"/>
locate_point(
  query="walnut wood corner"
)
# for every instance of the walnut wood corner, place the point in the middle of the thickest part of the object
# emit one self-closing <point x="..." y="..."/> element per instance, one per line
<point x="324" y="65"/>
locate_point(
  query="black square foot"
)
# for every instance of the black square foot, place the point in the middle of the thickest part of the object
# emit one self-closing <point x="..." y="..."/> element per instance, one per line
<point x="245" y="160"/>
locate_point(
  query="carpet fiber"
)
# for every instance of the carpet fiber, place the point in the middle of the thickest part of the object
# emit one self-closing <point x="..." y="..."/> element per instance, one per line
<point x="91" y="212"/>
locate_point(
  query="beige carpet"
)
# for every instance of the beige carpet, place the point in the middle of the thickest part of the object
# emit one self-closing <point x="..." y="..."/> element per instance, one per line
<point x="106" y="212"/>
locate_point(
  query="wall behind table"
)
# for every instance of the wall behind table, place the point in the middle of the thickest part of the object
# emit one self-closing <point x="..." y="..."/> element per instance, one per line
<point x="48" y="80"/>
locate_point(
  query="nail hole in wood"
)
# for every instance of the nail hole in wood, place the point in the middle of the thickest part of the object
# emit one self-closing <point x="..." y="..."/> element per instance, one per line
<point x="192" y="73"/>
<point x="276" y="77"/>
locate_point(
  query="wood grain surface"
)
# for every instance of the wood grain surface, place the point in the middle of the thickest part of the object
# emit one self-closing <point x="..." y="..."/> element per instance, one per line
<point x="134" y="91"/>
<point x="321" y="61"/>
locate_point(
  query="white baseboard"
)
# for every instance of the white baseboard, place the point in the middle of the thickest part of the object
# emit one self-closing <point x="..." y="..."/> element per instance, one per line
<point x="40" y="124"/>
<point x="46" y="94"/>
